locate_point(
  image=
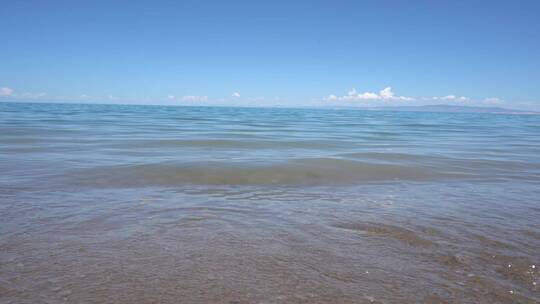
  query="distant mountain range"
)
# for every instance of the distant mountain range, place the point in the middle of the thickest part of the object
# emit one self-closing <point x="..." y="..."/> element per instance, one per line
<point x="452" y="109"/>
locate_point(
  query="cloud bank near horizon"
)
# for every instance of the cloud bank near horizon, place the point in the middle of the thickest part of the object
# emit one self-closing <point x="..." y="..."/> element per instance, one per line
<point x="385" y="96"/>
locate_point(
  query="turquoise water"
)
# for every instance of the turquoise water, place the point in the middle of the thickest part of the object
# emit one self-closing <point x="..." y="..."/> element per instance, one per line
<point x="245" y="205"/>
<point x="171" y="146"/>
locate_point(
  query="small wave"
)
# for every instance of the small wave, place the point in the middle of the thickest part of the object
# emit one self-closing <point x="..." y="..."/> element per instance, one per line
<point x="388" y="156"/>
<point x="315" y="171"/>
<point x="404" y="235"/>
<point x="229" y="144"/>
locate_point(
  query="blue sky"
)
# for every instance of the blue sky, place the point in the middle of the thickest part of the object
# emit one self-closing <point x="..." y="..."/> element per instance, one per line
<point x="272" y="52"/>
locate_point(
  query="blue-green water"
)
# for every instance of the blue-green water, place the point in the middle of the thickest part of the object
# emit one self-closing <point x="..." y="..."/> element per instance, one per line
<point x="145" y="204"/>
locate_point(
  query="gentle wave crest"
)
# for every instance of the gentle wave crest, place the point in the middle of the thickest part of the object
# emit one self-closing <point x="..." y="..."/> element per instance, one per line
<point x="316" y="171"/>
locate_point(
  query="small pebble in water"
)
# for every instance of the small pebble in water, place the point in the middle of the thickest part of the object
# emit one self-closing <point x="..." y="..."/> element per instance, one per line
<point x="511" y="292"/>
<point x="533" y="266"/>
<point x="509" y="265"/>
<point x="370" y="299"/>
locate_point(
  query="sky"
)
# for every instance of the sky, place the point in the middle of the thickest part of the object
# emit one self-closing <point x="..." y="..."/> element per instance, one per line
<point x="272" y="53"/>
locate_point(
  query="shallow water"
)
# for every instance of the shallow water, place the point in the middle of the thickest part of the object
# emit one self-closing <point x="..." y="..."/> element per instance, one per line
<point x="147" y="204"/>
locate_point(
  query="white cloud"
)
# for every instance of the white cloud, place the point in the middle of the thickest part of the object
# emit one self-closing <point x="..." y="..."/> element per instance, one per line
<point x="452" y="98"/>
<point x="385" y="94"/>
<point x="493" y="100"/>
<point x="464" y="99"/>
<point x="194" y="98"/>
<point x="4" y="92"/>
<point x="27" y="95"/>
<point x="235" y="94"/>
<point x="9" y="92"/>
